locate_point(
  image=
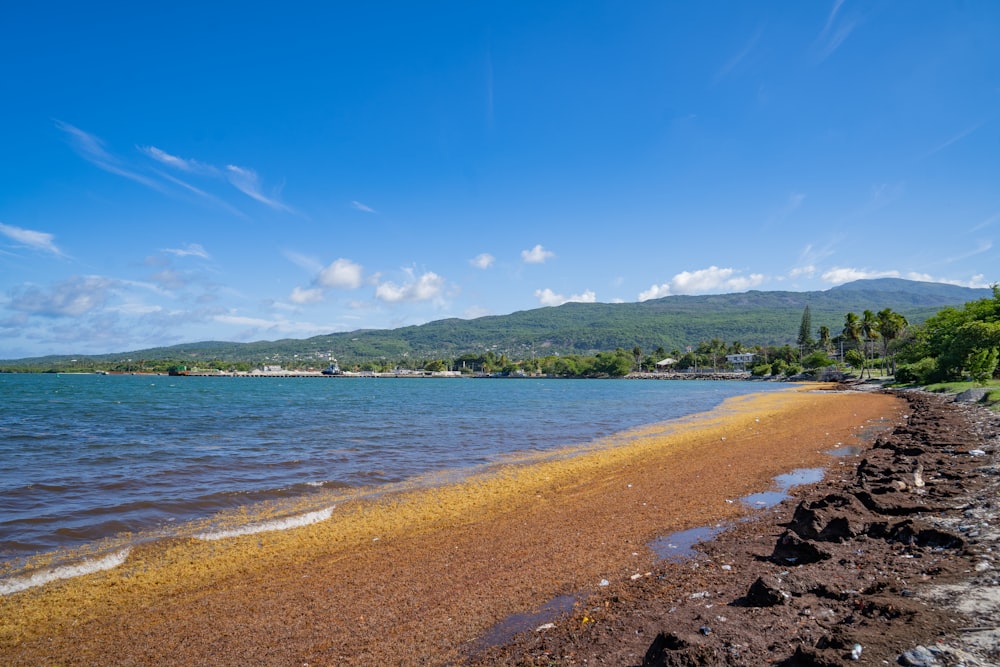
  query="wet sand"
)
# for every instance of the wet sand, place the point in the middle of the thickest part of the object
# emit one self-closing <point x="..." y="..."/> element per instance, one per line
<point x="420" y="576"/>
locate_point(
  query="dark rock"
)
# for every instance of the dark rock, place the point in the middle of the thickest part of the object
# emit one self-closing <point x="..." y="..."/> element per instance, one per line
<point x="764" y="593"/>
<point x="791" y="549"/>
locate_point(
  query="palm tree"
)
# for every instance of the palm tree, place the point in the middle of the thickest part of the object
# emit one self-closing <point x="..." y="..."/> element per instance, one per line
<point x="891" y="325"/>
<point x="824" y="338"/>
<point x="869" y="327"/>
<point x="852" y="332"/>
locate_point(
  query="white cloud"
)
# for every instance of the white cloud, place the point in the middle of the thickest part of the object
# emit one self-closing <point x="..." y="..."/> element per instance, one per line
<point x="977" y="281"/>
<point x="536" y="255"/>
<point x="428" y="286"/>
<point x="800" y="271"/>
<point x="190" y="250"/>
<point x="37" y="240"/>
<point x="70" y="298"/>
<point x="361" y="207"/>
<point x="275" y="325"/>
<point x="312" y="295"/>
<point x="702" y="281"/>
<point x="482" y="261"/>
<point x="246" y="181"/>
<point x="342" y="274"/>
<point x="840" y="275"/>
<point x="547" y="297"/>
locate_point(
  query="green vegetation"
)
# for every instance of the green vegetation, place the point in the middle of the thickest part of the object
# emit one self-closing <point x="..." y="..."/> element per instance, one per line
<point x="955" y="344"/>
<point x="599" y="340"/>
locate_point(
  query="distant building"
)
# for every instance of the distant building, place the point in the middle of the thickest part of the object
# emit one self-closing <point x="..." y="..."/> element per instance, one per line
<point x="741" y="360"/>
<point x="664" y="364"/>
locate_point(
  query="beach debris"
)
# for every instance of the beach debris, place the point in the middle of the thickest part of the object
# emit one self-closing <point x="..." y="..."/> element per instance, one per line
<point x="919" y="656"/>
<point x="545" y="626"/>
<point x="705" y="630"/>
<point x="604" y="582"/>
<point x="856" y="652"/>
<point x="977" y="452"/>
<point x="765" y="593"/>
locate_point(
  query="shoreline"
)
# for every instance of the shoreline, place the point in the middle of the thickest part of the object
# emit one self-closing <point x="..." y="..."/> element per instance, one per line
<point x="433" y="568"/>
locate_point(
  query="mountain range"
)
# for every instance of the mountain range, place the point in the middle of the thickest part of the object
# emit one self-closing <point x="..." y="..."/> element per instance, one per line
<point x="672" y="322"/>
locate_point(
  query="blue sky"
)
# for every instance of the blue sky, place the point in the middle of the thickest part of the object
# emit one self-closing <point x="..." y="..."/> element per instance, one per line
<point x="249" y="171"/>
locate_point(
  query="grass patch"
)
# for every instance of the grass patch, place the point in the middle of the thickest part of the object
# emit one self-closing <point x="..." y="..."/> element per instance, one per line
<point x="992" y="398"/>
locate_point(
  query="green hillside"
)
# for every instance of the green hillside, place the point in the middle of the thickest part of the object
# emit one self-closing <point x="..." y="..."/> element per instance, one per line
<point x="674" y="322"/>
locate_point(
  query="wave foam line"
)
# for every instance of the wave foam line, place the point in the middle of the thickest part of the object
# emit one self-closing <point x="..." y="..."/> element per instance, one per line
<point x="277" y="524"/>
<point x="18" y="584"/>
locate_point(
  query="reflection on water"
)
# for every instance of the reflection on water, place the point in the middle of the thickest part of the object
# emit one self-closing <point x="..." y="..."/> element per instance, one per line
<point x="784" y="484"/>
<point x="679" y="546"/>
<point x="504" y="631"/>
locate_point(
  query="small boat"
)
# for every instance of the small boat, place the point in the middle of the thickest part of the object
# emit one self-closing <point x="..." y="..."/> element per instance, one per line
<point x="332" y="369"/>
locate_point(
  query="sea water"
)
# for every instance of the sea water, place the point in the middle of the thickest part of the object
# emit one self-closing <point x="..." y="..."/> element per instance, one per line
<point x="88" y="457"/>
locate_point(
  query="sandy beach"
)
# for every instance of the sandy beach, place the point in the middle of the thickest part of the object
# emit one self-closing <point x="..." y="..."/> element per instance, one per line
<point x="430" y="575"/>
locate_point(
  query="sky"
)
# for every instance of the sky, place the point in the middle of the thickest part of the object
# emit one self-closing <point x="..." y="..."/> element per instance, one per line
<point x="244" y="171"/>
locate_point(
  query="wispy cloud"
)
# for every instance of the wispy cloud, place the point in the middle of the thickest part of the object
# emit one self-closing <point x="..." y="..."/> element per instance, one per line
<point x="547" y="297"/>
<point x="190" y="250"/>
<point x="536" y="255"/>
<point x="953" y="140"/>
<point x="91" y="149"/>
<point x="246" y="181"/>
<point x="741" y="56"/>
<point x="182" y="164"/>
<point x="792" y="203"/>
<point x="425" y="287"/>
<point x="981" y="247"/>
<point x="482" y="261"/>
<point x="310" y="264"/>
<point x="836" y="30"/>
<point x="35" y="240"/>
<point x="703" y="281"/>
<point x="361" y="207"/>
<point x="985" y="223"/>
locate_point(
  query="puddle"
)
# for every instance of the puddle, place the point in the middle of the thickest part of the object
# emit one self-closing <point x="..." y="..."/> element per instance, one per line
<point x="784" y="483"/>
<point x="845" y="451"/>
<point x="679" y="546"/>
<point x="504" y="631"/>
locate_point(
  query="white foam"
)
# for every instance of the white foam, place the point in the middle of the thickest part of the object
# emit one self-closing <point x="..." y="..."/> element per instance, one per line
<point x="17" y="584"/>
<point x="266" y="526"/>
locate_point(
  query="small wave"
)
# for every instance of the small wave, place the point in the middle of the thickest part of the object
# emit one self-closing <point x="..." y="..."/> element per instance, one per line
<point x="267" y="526"/>
<point x="17" y="584"/>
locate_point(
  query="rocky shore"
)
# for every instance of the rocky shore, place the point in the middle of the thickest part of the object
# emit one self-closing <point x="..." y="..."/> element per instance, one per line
<point x="892" y="559"/>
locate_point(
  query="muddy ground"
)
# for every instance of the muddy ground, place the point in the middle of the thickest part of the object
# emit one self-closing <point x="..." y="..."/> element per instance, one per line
<point x="892" y="559"/>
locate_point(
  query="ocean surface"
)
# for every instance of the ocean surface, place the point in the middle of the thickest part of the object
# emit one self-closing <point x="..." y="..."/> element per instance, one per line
<point x="84" y="458"/>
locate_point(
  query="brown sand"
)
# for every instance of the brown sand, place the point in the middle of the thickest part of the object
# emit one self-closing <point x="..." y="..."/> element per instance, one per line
<point x="417" y="577"/>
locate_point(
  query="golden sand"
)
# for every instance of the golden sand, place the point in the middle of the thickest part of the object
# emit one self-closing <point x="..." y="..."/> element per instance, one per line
<point x="415" y="575"/>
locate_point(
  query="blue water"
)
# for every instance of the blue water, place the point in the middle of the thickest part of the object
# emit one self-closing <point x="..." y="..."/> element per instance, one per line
<point x="85" y="457"/>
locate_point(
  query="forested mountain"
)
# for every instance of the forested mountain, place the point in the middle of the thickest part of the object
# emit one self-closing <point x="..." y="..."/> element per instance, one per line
<point x="673" y="322"/>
